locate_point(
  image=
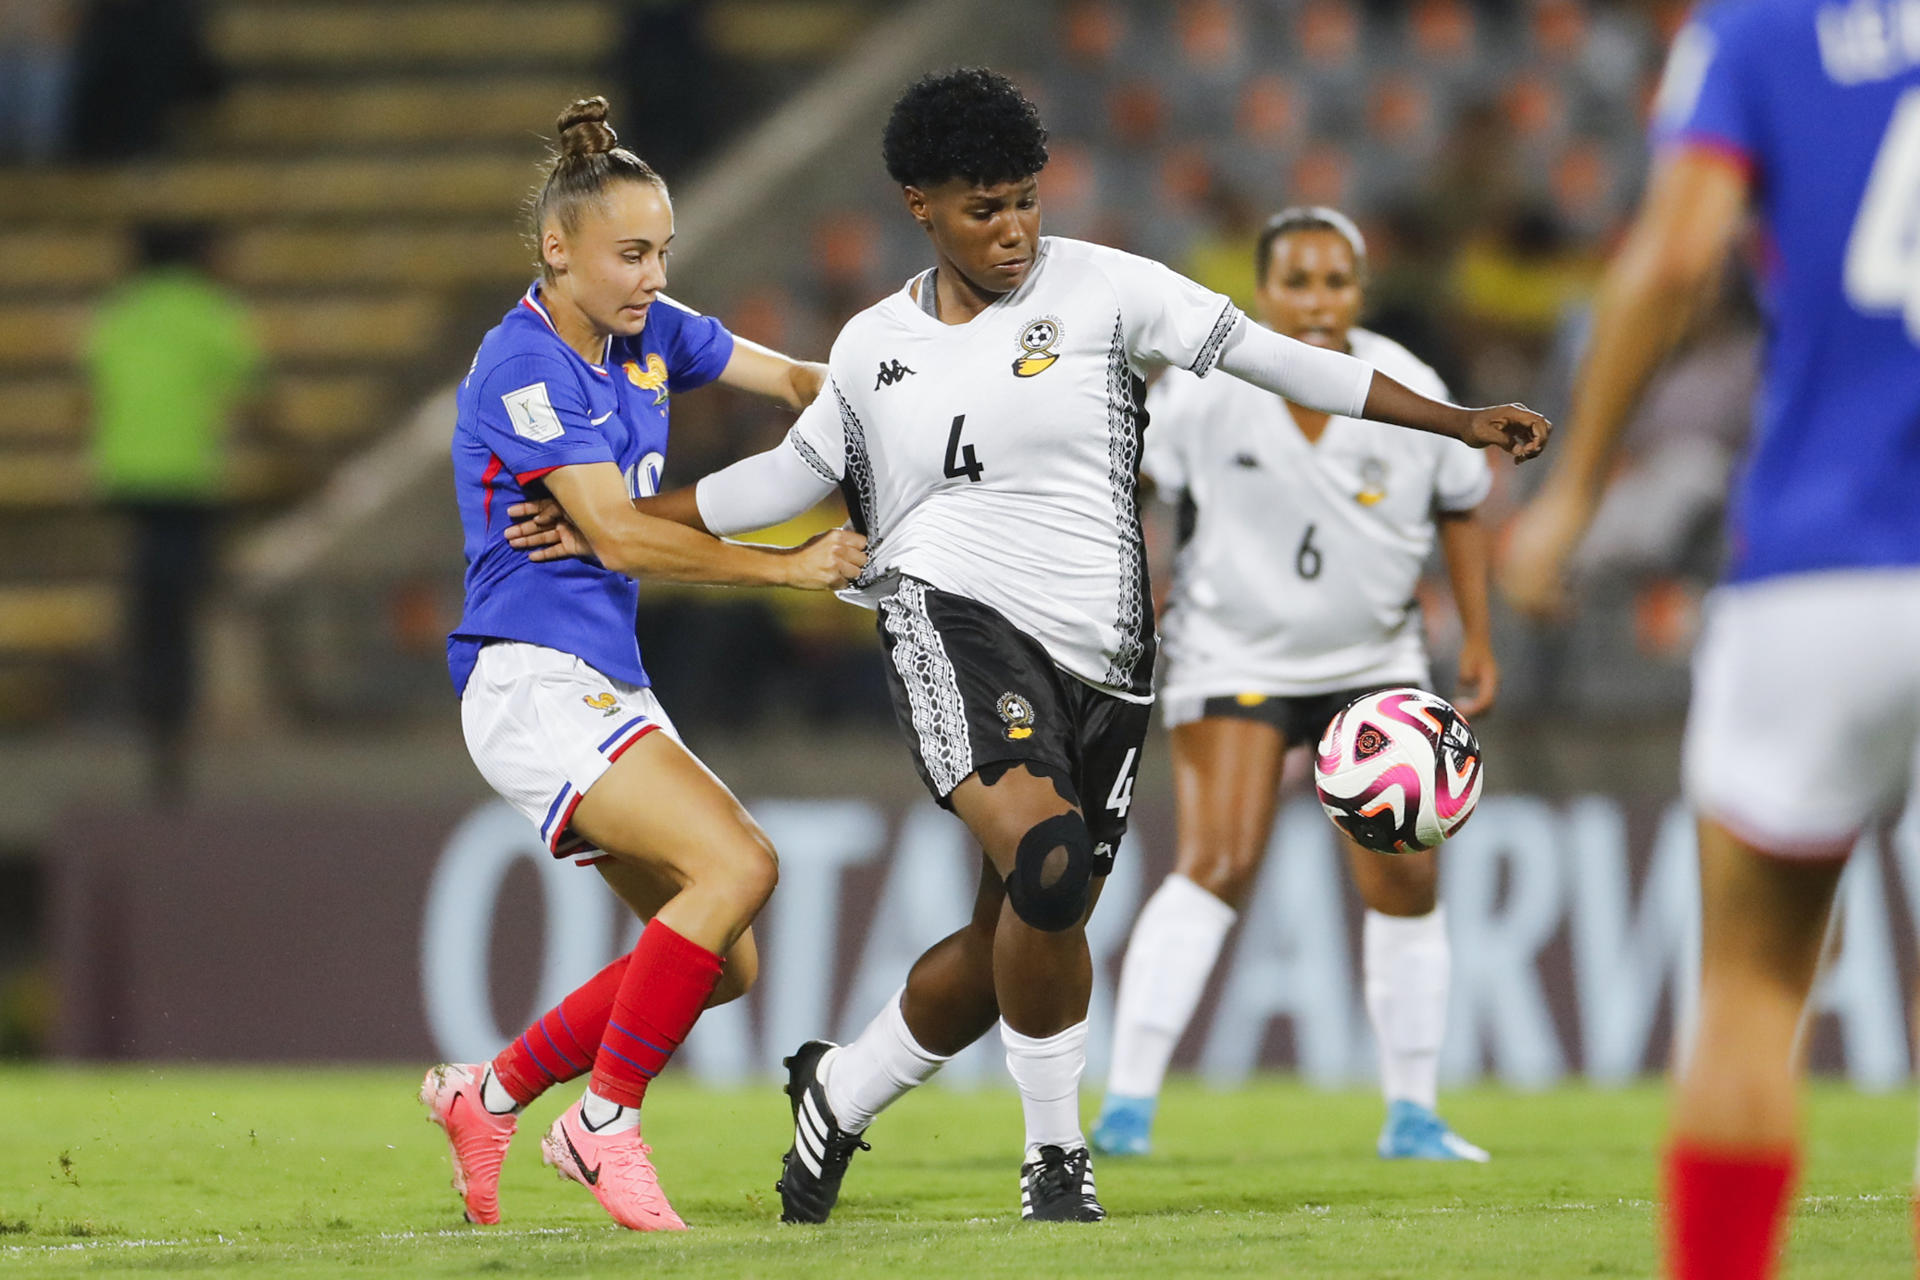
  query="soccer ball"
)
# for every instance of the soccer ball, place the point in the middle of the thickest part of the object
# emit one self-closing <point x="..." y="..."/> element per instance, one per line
<point x="1398" y="770"/>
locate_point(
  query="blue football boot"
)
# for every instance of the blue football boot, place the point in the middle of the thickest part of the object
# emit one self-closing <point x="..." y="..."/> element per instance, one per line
<point x="1125" y="1127"/>
<point x="1414" y="1133"/>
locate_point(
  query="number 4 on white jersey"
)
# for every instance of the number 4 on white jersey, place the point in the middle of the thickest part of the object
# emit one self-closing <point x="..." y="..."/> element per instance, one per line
<point x="1120" y="799"/>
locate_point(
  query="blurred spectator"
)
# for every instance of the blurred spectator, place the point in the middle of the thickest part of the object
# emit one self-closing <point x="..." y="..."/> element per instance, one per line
<point x="138" y="62"/>
<point x="674" y="101"/>
<point x="170" y="360"/>
<point x="36" y="77"/>
<point x="1511" y="286"/>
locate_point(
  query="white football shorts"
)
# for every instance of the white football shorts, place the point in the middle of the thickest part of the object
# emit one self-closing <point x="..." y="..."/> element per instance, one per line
<point x="1806" y="708"/>
<point x="542" y="726"/>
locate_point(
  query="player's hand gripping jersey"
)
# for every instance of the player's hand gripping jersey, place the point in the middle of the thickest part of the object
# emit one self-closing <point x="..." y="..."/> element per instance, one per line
<point x="1820" y="102"/>
<point x="531" y="405"/>
<point x="998" y="459"/>
<point x="1298" y="575"/>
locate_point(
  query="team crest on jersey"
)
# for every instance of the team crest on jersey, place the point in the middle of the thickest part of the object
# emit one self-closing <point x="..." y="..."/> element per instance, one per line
<point x="1373" y="482"/>
<point x="605" y="703"/>
<point x="653" y="379"/>
<point x="1037" y="343"/>
<point x="1017" y="712"/>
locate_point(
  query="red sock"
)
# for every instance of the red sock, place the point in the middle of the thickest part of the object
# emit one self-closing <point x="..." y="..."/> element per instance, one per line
<point x="666" y="985"/>
<point x="561" y="1043"/>
<point x="1726" y="1211"/>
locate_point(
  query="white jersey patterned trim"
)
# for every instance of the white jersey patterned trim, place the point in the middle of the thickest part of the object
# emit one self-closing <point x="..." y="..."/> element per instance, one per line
<point x="1123" y="450"/>
<point x="933" y="691"/>
<point x="1210" y="349"/>
<point x="810" y="456"/>
<point x="860" y="474"/>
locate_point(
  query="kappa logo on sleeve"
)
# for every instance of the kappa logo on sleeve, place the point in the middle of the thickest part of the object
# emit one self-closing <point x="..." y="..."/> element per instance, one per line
<point x="891" y="371"/>
<point x="532" y="415"/>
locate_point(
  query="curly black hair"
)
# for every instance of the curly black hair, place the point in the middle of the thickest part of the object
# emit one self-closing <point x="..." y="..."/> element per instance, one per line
<point x="968" y="123"/>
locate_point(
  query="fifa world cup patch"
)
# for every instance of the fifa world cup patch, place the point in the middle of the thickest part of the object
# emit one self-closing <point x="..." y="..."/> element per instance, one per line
<point x="1037" y="343"/>
<point x="1017" y="712"/>
<point x="605" y="703"/>
<point x="653" y="378"/>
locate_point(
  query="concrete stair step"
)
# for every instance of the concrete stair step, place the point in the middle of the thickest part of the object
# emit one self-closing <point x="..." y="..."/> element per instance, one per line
<point x="348" y="37"/>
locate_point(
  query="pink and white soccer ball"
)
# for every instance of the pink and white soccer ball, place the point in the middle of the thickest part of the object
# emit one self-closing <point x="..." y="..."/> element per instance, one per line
<point x="1398" y="770"/>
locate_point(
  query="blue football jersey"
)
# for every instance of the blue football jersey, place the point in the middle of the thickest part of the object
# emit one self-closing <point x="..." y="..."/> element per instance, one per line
<point x="1819" y="100"/>
<point x="530" y="405"/>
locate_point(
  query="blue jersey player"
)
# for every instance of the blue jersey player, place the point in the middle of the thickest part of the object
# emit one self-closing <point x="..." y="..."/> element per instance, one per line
<point x="567" y="399"/>
<point x="1806" y="699"/>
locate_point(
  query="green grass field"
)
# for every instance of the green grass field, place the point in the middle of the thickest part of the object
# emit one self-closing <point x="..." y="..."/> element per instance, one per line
<point x="321" y="1173"/>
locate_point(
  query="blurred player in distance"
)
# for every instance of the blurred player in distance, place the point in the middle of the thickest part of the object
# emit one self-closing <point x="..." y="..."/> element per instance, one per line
<point x="1806" y="688"/>
<point x="568" y="397"/>
<point x="984" y="424"/>
<point x="1302" y="540"/>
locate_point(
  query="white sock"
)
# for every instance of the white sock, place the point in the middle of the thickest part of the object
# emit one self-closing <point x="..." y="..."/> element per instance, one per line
<point x="604" y="1117"/>
<point x="1175" y="943"/>
<point x="494" y="1096"/>
<point x="1048" y="1072"/>
<point x="863" y="1078"/>
<point x="1408" y="963"/>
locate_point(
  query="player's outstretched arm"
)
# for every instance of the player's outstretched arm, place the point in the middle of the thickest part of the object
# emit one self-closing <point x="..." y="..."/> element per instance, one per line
<point x="632" y="542"/>
<point x="1333" y="382"/>
<point x="754" y="493"/>
<point x="1678" y="244"/>
<point x="1463" y="544"/>
<point x="762" y="371"/>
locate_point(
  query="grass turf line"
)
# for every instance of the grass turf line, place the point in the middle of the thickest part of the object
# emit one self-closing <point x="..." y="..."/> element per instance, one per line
<point x="320" y="1172"/>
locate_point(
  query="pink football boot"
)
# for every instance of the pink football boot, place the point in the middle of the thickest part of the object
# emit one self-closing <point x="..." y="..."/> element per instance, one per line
<point x="478" y="1138"/>
<point x="616" y="1169"/>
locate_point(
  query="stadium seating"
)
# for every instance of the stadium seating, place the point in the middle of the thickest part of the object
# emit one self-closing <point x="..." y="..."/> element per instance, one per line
<point x="363" y="167"/>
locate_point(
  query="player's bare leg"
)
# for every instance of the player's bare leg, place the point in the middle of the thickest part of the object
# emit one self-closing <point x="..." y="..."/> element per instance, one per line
<point x="659" y="811"/>
<point x="949" y="1000"/>
<point x="1407" y="962"/>
<point x="645" y="889"/>
<point x="1733" y="1146"/>
<point x="954" y="994"/>
<point x="1226" y="777"/>
<point x="1035" y="837"/>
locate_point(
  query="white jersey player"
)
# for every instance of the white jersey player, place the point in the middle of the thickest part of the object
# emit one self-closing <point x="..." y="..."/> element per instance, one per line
<point x="984" y="426"/>
<point x="1303" y="539"/>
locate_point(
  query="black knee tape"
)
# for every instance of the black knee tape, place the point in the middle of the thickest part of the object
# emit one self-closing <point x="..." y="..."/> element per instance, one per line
<point x="1048" y="891"/>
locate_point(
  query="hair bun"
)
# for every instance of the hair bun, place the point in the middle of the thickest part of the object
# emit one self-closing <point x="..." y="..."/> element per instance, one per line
<point x="584" y="130"/>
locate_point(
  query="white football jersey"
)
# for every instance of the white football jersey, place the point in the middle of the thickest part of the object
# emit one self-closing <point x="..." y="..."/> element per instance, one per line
<point x="998" y="459"/>
<point x="1298" y="575"/>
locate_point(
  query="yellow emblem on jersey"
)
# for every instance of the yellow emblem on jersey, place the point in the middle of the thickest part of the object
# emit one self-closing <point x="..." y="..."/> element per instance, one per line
<point x="1373" y="482"/>
<point x="1037" y="341"/>
<point x="602" y="702"/>
<point x="1249" y="699"/>
<point x="654" y="379"/>
<point x="1018" y="714"/>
